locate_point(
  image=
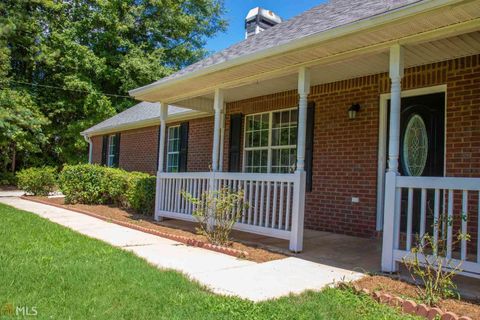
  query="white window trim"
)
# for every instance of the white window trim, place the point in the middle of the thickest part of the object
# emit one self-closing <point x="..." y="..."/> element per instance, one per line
<point x="111" y="152"/>
<point x="168" y="147"/>
<point x="269" y="148"/>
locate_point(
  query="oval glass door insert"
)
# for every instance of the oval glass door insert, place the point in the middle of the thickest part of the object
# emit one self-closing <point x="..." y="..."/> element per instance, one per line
<point x="415" y="146"/>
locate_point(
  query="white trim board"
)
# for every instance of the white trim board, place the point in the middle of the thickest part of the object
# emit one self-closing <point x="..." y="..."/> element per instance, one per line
<point x="382" y="141"/>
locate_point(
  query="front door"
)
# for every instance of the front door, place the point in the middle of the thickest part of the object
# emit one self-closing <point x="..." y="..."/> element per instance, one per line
<point x="422" y="134"/>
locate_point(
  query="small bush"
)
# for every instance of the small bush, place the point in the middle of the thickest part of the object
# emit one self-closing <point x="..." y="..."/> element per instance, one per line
<point x="217" y="212"/>
<point x="8" y="179"/>
<point x="434" y="274"/>
<point x="37" y="181"/>
<point x="141" y="193"/>
<point x="83" y="184"/>
<point x="94" y="184"/>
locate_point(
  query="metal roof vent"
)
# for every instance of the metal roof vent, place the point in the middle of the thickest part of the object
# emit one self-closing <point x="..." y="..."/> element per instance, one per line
<point x="259" y="19"/>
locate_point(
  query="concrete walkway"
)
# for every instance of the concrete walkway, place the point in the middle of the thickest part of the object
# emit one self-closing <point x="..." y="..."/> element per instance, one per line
<point x="223" y="274"/>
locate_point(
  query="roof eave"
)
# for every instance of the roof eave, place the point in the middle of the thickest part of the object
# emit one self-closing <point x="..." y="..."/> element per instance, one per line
<point x="182" y="116"/>
<point x="374" y="21"/>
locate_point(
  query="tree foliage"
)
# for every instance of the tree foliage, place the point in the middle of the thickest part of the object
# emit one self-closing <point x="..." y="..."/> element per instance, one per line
<point x="66" y="65"/>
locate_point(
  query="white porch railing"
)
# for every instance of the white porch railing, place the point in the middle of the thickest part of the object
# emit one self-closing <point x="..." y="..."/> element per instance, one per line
<point x="456" y="200"/>
<point x="275" y="201"/>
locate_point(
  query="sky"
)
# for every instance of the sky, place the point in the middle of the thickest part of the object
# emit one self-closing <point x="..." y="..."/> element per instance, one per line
<point x="236" y="11"/>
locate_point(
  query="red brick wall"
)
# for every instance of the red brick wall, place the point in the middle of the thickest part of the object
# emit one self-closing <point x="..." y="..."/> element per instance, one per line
<point x="345" y="151"/>
<point x="139" y="147"/>
<point x="97" y="149"/>
<point x="200" y="144"/>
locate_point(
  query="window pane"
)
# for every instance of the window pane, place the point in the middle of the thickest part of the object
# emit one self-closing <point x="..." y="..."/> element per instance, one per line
<point x="257" y="161"/>
<point x="283" y="160"/>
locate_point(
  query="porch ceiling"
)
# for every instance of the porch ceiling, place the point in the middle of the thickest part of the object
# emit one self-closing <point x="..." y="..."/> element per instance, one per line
<point x="367" y="64"/>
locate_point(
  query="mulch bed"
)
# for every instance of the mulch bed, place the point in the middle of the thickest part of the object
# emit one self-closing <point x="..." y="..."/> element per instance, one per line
<point x="118" y="215"/>
<point x="406" y="290"/>
<point x="8" y="188"/>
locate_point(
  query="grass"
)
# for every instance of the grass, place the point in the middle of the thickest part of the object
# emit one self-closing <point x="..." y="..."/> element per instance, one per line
<point x="66" y="275"/>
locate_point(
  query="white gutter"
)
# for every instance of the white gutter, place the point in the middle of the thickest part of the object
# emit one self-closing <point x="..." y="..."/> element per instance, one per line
<point x="374" y="21"/>
<point x="90" y="147"/>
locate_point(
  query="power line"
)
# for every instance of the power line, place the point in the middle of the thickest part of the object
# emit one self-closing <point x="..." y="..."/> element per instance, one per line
<point x="73" y="90"/>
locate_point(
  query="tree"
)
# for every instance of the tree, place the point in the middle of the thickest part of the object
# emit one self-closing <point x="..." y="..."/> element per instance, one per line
<point x="76" y="60"/>
<point x="21" y="126"/>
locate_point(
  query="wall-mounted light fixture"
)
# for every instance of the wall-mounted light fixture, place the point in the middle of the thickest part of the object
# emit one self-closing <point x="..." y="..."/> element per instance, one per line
<point x="352" y="111"/>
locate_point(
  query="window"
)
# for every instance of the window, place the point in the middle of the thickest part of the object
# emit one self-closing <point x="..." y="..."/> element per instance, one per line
<point x="173" y="149"/>
<point x="271" y="142"/>
<point x="111" y="150"/>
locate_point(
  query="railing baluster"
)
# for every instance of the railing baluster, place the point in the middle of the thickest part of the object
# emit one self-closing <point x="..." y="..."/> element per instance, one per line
<point x="262" y="203"/>
<point x="267" y="211"/>
<point x="409" y="218"/>
<point x="274" y="211"/>
<point x="255" y="214"/>
<point x="250" y="195"/>
<point x="423" y="213"/>
<point x="244" y="201"/>
<point x="170" y="194"/>
<point x="287" y="217"/>
<point x="463" y="249"/>
<point x="478" y="229"/>
<point x="436" y="220"/>
<point x="280" y="213"/>
<point x="398" y="207"/>
<point x="449" y="224"/>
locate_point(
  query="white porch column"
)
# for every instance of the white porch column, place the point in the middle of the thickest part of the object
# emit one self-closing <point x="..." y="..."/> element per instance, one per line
<point x="222" y="139"/>
<point x="303" y="91"/>
<point x="218" y="108"/>
<point x="161" y="142"/>
<point x="296" y="235"/>
<point x="161" y="156"/>
<point x="391" y="210"/>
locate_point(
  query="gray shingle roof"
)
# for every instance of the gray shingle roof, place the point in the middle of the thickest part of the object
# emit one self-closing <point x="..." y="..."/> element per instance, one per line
<point x="143" y="111"/>
<point x="321" y="18"/>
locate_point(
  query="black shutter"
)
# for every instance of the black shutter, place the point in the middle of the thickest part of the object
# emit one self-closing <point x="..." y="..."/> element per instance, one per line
<point x="234" y="142"/>
<point x="116" y="161"/>
<point x="309" y="145"/>
<point x="104" y="150"/>
<point x="182" y="161"/>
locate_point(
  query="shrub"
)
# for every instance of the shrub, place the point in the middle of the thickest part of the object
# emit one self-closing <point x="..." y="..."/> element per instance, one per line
<point x="94" y="184"/>
<point x="83" y="184"/>
<point x="37" y="181"/>
<point x="141" y="193"/>
<point x="435" y="274"/>
<point x="217" y="212"/>
<point x="8" y="179"/>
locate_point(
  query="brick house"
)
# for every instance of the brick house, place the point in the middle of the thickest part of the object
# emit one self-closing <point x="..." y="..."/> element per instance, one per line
<point x="353" y="118"/>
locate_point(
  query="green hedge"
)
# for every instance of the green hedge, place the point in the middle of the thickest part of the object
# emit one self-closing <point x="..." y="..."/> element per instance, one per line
<point x="94" y="184"/>
<point x="37" y="181"/>
<point x="141" y="194"/>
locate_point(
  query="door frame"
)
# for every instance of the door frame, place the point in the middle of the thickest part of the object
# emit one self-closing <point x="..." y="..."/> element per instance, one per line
<point x="382" y="141"/>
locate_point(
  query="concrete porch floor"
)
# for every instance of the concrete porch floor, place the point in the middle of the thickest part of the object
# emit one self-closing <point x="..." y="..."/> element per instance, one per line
<point x="336" y="250"/>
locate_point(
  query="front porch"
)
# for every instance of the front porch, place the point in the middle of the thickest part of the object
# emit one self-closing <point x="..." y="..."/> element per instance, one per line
<point x="377" y="79"/>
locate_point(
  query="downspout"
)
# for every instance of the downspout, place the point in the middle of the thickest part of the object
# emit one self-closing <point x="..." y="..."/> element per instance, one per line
<point x="90" y="148"/>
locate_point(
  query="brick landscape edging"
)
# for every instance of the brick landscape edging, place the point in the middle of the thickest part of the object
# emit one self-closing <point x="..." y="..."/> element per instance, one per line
<point x="186" y="240"/>
<point x="411" y="307"/>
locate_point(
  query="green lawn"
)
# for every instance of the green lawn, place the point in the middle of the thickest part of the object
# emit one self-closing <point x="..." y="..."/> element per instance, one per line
<point x="66" y="275"/>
